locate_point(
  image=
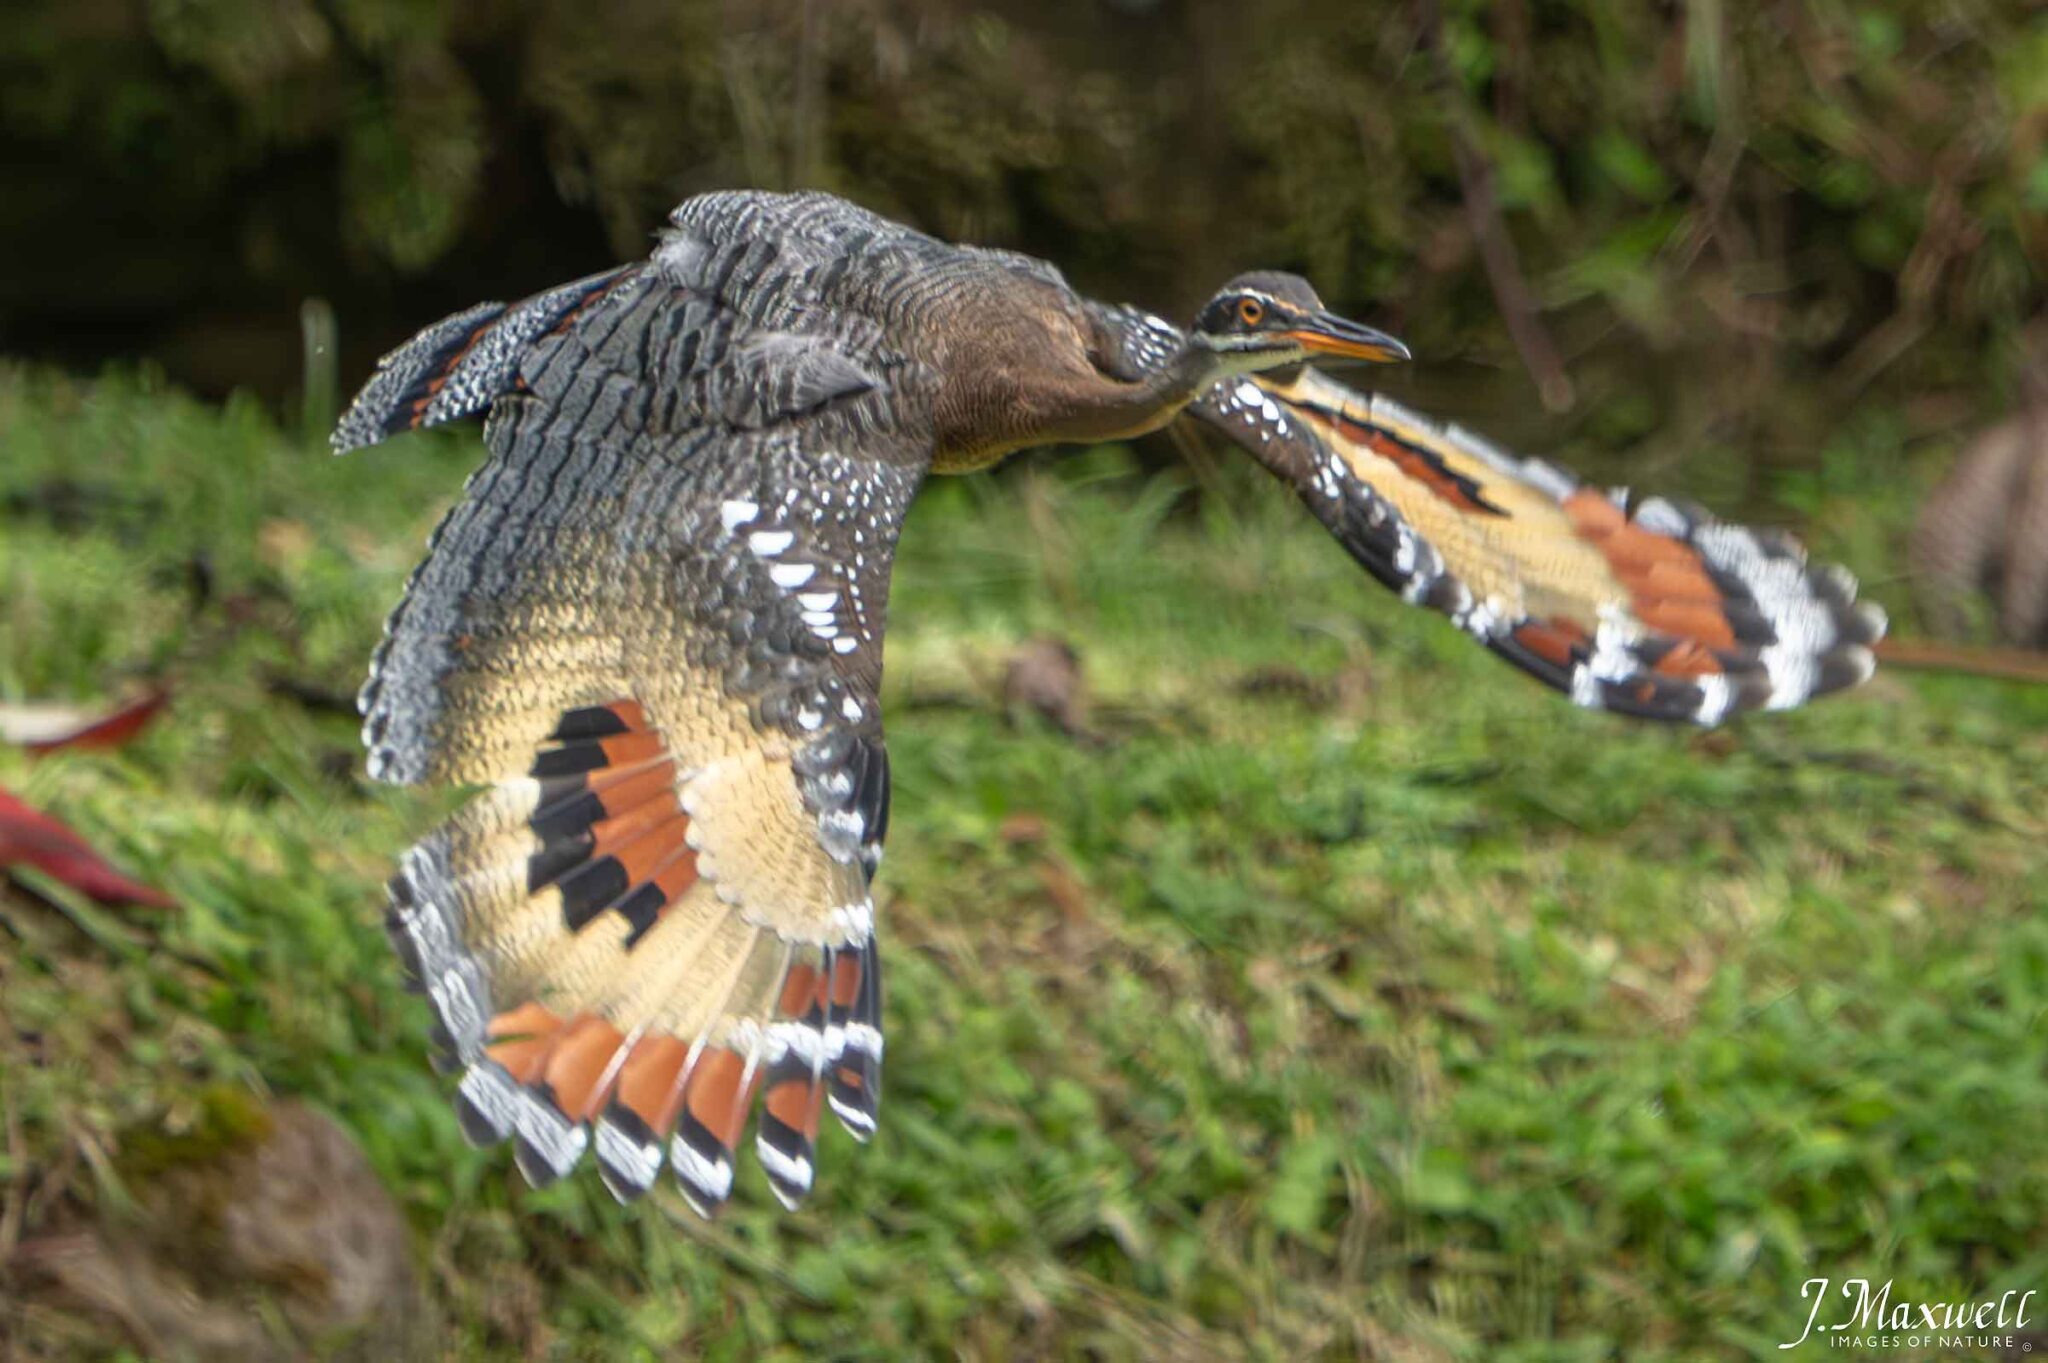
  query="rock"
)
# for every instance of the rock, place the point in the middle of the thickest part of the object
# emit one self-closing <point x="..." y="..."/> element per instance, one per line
<point x="268" y="1237"/>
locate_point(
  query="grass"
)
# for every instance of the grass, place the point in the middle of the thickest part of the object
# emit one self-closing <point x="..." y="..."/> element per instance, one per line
<point x="1348" y="997"/>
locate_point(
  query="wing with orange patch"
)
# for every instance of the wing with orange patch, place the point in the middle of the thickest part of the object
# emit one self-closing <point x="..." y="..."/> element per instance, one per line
<point x="1644" y="607"/>
<point x="652" y="629"/>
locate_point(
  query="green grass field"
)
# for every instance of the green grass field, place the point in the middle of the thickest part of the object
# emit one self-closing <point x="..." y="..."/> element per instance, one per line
<point x="1345" y="995"/>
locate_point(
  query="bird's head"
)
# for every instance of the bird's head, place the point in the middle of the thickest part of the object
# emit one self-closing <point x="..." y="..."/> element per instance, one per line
<point x="1267" y="319"/>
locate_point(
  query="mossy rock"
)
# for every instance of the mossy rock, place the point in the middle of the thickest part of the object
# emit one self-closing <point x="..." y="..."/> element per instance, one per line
<point x="261" y="1232"/>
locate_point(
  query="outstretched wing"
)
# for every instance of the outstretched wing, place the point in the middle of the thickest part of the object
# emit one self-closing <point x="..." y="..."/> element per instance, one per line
<point x="1646" y="607"/>
<point x="653" y="629"/>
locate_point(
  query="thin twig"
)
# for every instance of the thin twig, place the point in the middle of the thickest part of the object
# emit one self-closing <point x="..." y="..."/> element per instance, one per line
<point x="2015" y="664"/>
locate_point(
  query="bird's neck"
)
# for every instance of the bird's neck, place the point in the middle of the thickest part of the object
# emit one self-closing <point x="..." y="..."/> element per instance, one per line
<point x="989" y="412"/>
<point x="1104" y="408"/>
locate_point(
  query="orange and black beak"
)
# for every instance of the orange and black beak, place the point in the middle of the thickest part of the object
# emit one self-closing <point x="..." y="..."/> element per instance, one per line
<point x="1325" y="333"/>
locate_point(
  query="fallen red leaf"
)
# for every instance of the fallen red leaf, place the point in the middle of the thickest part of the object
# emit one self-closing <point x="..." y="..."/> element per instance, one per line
<point x="46" y="728"/>
<point x="32" y="838"/>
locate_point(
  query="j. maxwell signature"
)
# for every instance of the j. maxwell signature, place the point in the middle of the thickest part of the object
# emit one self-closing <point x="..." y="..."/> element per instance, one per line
<point x="1872" y="1313"/>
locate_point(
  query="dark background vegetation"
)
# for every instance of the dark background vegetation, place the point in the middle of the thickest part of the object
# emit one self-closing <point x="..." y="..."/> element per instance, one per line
<point x="1300" y="983"/>
<point x="1736" y="224"/>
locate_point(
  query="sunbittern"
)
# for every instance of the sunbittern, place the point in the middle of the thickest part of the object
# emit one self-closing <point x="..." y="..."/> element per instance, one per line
<point x="653" y="628"/>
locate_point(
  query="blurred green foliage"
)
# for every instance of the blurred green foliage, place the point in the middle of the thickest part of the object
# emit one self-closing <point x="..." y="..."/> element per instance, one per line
<point x="1739" y="219"/>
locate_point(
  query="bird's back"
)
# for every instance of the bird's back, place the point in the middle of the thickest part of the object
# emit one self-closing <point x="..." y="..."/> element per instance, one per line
<point x="773" y="309"/>
<point x="955" y="337"/>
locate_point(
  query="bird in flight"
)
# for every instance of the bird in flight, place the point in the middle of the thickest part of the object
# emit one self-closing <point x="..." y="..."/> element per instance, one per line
<point x="652" y="631"/>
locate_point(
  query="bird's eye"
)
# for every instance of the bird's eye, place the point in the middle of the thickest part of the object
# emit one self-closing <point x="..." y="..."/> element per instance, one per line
<point x="1251" y="311"/>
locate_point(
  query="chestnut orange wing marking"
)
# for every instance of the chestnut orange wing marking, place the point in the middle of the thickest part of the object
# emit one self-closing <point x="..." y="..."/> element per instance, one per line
<point x="1665" y="578"/>
<point x="1426" y="467"/>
